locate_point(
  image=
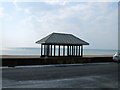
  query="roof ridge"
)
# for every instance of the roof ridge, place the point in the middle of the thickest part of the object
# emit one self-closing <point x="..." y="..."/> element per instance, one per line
<point x="61" y="33"/>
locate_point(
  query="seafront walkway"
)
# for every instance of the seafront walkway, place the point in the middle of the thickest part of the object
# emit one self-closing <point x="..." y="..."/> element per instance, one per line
<point x="92" y="75"/>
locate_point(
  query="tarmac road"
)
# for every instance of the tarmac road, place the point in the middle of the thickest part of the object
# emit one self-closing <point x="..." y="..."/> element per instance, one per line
<point x="96" y="75"/>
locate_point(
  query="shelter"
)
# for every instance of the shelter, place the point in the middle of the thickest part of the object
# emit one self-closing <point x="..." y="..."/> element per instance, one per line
<point x="60" y="44"/>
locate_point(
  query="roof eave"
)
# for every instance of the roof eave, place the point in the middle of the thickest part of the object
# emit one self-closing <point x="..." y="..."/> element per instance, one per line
<point x="38" y="42"/>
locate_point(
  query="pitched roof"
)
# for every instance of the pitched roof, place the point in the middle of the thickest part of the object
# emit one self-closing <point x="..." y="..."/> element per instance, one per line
<point x="61" y="38"/>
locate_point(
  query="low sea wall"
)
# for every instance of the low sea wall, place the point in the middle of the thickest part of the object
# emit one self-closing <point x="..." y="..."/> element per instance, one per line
<point x="52" y="60"/>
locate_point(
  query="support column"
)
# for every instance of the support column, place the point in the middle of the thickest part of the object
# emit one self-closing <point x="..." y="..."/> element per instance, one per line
<point x="54" y="50"/>
<point x="48" y="51"/>
<point x="76" y="50"/>
<point x="44" y="50"/>
<point x="72" y="50"/>
<point x="41" y="49"/>
<point x="79" y="52"/>
<point x="51" y="50"/>
<point x="82" y="51"/>
<point x="59" y="51"/>
<point x="67" y="50"/>
<point x="63" y="50"/>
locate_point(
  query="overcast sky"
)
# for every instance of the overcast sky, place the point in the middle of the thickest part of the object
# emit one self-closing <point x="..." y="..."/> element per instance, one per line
<point x="23" y="23"/>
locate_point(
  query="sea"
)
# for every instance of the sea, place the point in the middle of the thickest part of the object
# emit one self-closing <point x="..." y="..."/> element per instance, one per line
<point x="36" y="51"/>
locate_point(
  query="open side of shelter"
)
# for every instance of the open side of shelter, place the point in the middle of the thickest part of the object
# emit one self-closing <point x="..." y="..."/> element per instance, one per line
<point x="60" y="44"/>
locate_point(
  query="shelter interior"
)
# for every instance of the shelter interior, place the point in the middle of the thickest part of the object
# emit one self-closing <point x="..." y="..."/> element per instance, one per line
<point x="61" y="50"/>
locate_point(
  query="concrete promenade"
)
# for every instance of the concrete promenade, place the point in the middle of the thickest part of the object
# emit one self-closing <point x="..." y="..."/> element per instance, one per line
<point x="91" y="75"/>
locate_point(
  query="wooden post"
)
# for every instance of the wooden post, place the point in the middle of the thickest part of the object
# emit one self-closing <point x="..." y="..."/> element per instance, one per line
<point x="76" y="50"/>
<point x="41" y="49"/>
<point x="44" y="50"/>
<point x="59" y="51"/>
<point x="54" y="50"/>
<point x="73" y="50"/>
<point x="63" y="50"/>
<point x="81" y="51"/>
<point x="67" y="50"/>
<point x="51" y="50"/>
<point x="70" y="50"/>
<point x="47" y="50"/>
